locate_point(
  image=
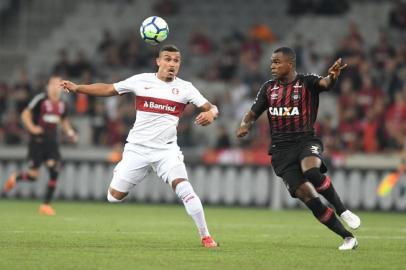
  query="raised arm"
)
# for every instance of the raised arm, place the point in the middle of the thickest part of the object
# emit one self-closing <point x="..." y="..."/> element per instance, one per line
<point x="208" y="115"/>
<point x="95" y="89"/>
<point x="333" y="73"/>
<point x="246" y="124"/>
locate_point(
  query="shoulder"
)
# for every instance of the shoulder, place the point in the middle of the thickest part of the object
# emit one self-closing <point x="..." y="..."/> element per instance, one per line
<point x="310" y="76"/>
<point x="142" y="76"/>
<point x="267" y="84"/>
<point x="185" y="84"/>
<point x="37" y="99"/>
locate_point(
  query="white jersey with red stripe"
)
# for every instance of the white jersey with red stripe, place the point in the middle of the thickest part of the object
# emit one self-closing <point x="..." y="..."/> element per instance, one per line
<point x="159" y="105"/>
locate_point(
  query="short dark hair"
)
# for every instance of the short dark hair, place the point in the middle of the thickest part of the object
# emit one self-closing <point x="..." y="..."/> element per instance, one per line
<point x="169" y="48"/>
<point x="288" y="52"/>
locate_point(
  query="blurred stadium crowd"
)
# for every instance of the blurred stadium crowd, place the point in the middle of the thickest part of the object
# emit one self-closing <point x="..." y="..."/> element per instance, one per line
<point x="370" y="96"/>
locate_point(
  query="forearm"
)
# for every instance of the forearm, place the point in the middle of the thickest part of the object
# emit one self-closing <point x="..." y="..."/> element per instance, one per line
<point x="248" y="120"/>
<point x="26" y="118"/>
<point x="328" y="81"/>
<point x="97" y="89"/>
<point x="67" y="128"/>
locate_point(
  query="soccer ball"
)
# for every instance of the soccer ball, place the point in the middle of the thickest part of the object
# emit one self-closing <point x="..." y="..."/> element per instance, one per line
<point x="154" y="30"/>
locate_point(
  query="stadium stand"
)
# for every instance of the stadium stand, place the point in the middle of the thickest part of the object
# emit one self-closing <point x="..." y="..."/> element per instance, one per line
<point x="226" y="53"/>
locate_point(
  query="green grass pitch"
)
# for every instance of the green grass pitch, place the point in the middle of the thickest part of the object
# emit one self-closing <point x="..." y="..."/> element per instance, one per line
<point x="132" y="236"/>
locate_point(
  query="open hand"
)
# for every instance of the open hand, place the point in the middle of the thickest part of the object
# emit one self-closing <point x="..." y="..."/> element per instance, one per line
<point x="336" y="68"/>
<point x="69" y="86"/>
<point x="204" y="118"/>
<point x="242" y="131"/>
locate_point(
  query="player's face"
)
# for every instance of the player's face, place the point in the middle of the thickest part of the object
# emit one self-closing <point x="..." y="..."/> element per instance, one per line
<point x="54" y="88"/>
<point x="168" y="65"/>
<point x="281" y="65"/>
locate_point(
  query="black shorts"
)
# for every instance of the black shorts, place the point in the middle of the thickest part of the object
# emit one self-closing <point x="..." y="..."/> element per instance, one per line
<point x="286" y="161"/>
<point x="40" y="150"/>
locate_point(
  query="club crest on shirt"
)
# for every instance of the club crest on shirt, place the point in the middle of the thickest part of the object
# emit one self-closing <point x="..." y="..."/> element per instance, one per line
<point x="296" y="94"/>
<point x="175" y="91"/>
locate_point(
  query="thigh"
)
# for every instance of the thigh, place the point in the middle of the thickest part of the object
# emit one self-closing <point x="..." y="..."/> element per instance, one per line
<point x="130" y="171"/>
<point x="285" y="160"/>
<point x="313" y="147"/>
<point x="293" y="179"/>
<point x="36" y="154"/>
<point x="52" y="151"/>
<point x="170" y="165"/>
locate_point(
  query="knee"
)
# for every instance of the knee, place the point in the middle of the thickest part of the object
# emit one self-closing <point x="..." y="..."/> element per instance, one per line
<point x="176" y="182"/>
<point x="183" y="189"/>
<point x="33" y="174"/>
<point x="306" y="192"/>
<point x="314" y="176"/>
<point x="320" y="181"/>
<point x="115" y="196"/>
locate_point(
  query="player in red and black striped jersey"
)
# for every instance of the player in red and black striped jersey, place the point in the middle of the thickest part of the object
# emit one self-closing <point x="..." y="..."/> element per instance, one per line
<point x="41" y="118"/>
<point x="291" y="101"/>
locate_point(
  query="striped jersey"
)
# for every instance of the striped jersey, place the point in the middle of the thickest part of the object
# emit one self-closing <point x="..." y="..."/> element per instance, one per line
<point x="291" y="108"/>
<point x="47" y="114"/>
<point x="159" y="105"/>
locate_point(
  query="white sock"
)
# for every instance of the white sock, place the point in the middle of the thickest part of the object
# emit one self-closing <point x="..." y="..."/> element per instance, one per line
<point x="193" y="206"/>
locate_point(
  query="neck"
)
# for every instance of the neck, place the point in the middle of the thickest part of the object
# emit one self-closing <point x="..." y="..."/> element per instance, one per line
<point x="289" y="78"/>
<point x="163" y="78"/>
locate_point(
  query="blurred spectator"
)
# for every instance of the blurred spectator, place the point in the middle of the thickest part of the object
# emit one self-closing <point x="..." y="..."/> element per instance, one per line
<point x="84" y="103"/>
<point x="390" y="78"/>
<point x="323" y="7"/>
<point x="107" y="42"/>
<point x="200" y="44"/>
<point x="330" y="7"/>
<point x="62" y="66"/>
<point x="22" y="91"/>
<point x="80" y="65"/>
<point x="381" y="51"/>
<point x="395" y="123"/>
<point x="185" y="127"/>
<point x="327" y="132"/>
<point x="369" y="94"/>
<point x="132" y="55"/>
<point x="98" y="122"/>
<point x="223" y="139"/>
<point x="262" y="32"/>
<point x="373" y="136"/>
<point x="4" y="92"/>
<point x="228" y="62"/>
<point x="300" y="7"/>
<point x="350" y="130"/>
<point x="13" y="129"/>
<point x="397" y="16"/>
<point x="166" y="8"/>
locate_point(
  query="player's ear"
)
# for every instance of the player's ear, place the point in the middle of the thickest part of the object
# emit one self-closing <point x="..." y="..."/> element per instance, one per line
<point x="158" y="62"/>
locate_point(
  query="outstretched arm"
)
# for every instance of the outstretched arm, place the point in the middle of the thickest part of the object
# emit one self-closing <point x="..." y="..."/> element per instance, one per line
<point x="95" y="89"/>
<point x="333" y="73"/>
<point x="208" y="115"/>
<point x="246" y="124"/>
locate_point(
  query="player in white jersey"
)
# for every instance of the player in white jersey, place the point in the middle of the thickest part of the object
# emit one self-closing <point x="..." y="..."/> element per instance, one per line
<point x="152" y="143"/>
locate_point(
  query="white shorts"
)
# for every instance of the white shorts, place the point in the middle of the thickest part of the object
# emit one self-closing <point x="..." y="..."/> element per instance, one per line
<point x="139" y="160"/>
